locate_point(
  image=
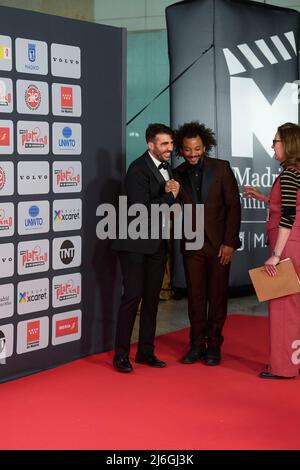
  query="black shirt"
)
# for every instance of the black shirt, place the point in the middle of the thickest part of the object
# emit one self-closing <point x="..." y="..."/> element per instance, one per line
<point x="195" y="175"/>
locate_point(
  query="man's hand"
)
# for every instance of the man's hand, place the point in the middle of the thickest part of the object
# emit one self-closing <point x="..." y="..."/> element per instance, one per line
<point x="173" y="187"/>
<point x="226" y="254"/>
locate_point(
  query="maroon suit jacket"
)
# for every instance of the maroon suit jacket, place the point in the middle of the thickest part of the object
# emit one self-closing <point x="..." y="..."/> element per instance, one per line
<point x="221" y="199"/>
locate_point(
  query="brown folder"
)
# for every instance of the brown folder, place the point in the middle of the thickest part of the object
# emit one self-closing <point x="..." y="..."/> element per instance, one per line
<point x="285" y="282"/>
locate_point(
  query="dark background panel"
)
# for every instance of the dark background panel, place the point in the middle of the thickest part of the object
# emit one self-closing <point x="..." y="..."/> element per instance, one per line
<point x="103" y="116"/>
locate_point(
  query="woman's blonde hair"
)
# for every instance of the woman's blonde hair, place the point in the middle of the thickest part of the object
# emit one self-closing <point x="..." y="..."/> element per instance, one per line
<point x="290" y="136"/>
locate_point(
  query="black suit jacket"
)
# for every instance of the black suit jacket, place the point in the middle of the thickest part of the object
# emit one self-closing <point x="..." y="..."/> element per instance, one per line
<point x="221" y="199"/>
<point x="144" y="184"/>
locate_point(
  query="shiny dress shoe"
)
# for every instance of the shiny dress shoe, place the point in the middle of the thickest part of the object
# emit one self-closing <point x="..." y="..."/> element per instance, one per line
<point x="268" y="375"/>
<point x="213" y="356"/>
<point x="122" y="364"/>
<point x="194" y="355"/>
<point x="149" y="360"/>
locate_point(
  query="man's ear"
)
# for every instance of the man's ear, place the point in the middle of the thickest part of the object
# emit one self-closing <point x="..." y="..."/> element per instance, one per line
<point x="150" y="146"/>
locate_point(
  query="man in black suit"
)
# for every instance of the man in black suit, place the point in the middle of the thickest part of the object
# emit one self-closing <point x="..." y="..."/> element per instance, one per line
<point x="148" y="182"/>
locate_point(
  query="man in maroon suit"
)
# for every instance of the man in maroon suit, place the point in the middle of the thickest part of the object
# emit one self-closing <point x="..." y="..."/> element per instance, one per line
<point x="208" y="181"/>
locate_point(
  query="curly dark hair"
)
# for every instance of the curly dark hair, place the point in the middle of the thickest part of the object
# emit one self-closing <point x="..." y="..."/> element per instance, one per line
<point x="194" y="129"/>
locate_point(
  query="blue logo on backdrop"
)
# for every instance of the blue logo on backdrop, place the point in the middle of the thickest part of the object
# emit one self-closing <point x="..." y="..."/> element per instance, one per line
<point x="31" y="52"/>
<point x="34" y="220"/>
<point x="66" y="142"/>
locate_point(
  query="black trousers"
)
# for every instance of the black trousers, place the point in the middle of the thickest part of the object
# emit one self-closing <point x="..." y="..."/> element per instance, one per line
<point x="142" y="279"/>
<point x="207" y="286"/>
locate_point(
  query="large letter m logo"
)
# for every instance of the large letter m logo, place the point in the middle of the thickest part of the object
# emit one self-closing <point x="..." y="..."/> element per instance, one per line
<point x="252" y="114"/>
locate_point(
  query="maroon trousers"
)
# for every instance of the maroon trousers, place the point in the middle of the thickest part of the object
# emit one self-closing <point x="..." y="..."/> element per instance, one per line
<point x="207" y="287"/>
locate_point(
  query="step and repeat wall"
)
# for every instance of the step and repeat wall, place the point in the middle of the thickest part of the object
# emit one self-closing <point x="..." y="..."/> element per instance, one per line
<point x="243" y="85"/>
<point x="61" y="155"/>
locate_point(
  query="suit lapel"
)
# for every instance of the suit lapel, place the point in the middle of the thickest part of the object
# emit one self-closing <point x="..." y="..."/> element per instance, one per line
<point x="207" y="177"/>
<point x="186" y="184"/>
<point x="154" y="168"/>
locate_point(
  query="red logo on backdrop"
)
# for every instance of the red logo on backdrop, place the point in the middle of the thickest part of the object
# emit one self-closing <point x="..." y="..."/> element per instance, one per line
<point x="5" y="222"/>
<point x="4" y="136"/>
<point x="2" y="178"/>
<point x="33" y="97"/>
<point x="66" y="99"/>
<point x="33" y="333"/>
<point x="67" y="326"/>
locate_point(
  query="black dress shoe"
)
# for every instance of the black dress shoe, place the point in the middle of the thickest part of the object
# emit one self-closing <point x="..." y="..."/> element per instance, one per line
<point x="213" y="356"/>
<point x="122" y="364"/>
<point x="149" y="360"/>
<point x="194" y="355"/>
<point x="268" y="375"/>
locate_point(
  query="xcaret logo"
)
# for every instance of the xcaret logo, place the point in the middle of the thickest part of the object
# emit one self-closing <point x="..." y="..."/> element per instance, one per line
<point x="33" y="296"/>
<point x="32" y="97"/>
<point x="67" y="214"/>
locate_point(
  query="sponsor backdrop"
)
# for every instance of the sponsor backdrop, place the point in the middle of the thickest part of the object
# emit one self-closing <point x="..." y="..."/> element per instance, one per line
<point x="243" y="86"/>
<point x="61" y="149"/>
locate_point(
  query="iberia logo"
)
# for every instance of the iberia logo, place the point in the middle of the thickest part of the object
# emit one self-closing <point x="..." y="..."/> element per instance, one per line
<point x="33" y="97"/>
<point x="22" y="297"/>
<point x="57" y="216"/>
<point x="67" y="326"/>
<point x="4" y="136"/>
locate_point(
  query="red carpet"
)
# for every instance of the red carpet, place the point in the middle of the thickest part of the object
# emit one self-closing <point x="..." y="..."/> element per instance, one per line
<point x="87" y="405"/>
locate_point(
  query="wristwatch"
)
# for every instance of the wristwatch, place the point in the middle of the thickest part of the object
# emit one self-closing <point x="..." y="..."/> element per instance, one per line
<point x="275" y="254"/>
